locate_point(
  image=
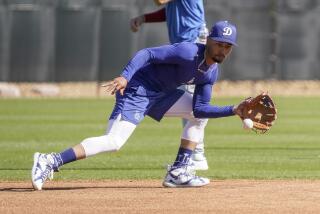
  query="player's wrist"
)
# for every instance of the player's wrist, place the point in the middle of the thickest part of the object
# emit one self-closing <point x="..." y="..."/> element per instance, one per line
<point x="126" y="78"/>
<point x="234" y="109"/>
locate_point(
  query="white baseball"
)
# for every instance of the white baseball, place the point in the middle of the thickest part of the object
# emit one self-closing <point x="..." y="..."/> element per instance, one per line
<point x="247" y="123"/>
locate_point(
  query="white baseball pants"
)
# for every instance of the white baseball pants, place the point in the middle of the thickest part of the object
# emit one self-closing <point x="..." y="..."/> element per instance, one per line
<point x="118" y="131"/>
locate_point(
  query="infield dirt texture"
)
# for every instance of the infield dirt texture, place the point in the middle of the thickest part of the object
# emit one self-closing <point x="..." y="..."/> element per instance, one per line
<point x="274" y="173"/>
<point x="148" y="196"/>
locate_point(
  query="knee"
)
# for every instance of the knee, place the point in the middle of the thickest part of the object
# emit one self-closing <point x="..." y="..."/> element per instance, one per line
<point x="105" y="143"/>
<point x="199" y="123"/>
<point x="113" y="143"/>
<point x="194" y="130"/>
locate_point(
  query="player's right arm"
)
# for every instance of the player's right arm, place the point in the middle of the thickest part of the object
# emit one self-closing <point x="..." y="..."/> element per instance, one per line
<point x="179" y="54"/>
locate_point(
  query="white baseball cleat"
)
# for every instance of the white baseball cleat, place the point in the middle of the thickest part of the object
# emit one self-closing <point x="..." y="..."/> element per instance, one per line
<point x="42" y="169"/>
<point x="183" y="177"/>
<point x="199" y="159"/>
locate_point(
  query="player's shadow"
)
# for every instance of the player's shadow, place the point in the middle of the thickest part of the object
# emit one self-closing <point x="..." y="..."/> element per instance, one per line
<point x="16" y="189"/>
<point x="102" y="187"/>
<point x="24" y="189"/>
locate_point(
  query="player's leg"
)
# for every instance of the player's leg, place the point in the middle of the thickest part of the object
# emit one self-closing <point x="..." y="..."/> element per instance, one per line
<point x="198" y="157"/>
<point x="45" y="164"/>
<point x="121" y="125"/>
<point x="181" y="173"/>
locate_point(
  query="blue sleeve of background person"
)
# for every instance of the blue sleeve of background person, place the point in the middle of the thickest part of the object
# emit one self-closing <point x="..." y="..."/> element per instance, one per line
<point x="184" y="19"/>
<point x="178" y="54"/>
<point x="201" y="104"/>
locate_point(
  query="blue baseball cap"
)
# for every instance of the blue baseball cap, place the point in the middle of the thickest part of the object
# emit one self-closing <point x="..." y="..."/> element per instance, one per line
<point x="224" y="31"/>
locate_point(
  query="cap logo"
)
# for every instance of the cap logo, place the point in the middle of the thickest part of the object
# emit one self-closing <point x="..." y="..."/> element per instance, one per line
<point x="227" y="31"/>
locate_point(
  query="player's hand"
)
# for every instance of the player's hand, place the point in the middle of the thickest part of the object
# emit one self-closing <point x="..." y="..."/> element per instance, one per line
<point x="136" y="22"/>
<point x="161" y="2"/>
<point x="117" y="84"/>
<point x="240" y="109"/>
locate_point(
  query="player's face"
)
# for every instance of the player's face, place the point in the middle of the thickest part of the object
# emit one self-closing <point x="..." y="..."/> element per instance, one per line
<point x="217" y="51"/>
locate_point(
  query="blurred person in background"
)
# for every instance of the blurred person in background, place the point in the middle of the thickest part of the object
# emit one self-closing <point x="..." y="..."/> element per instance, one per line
<point x="186" y="23"/>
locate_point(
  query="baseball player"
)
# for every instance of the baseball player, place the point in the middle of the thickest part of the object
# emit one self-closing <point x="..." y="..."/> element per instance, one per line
<point x="186" y="22"/>
<point x="148" y="86"/>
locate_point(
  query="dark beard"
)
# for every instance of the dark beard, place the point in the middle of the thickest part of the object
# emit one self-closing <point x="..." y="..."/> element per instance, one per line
<point x="217" y="60"/>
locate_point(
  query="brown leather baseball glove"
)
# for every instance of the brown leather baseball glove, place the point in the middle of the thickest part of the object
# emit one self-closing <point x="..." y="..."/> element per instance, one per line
<point x="261" y="110"/>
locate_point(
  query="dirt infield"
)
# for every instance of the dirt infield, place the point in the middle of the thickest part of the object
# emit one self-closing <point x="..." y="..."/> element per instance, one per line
<point x="130" y="196"/>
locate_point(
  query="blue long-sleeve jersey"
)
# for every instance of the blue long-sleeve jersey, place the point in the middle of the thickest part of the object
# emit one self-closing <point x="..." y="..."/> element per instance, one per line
<point x="164" y="68"/>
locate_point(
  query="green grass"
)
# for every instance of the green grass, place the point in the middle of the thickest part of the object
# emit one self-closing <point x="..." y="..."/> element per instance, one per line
<point x="291" y="150"/>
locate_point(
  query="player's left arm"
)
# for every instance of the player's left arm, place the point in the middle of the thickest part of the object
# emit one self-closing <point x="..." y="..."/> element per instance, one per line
<point x="202" y="107"/>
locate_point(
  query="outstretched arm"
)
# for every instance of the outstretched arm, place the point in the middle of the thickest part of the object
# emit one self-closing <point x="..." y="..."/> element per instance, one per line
<point x="202" y="107"/>
<point x="178" y="54"/>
